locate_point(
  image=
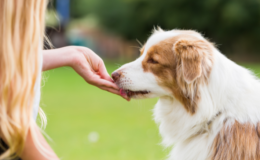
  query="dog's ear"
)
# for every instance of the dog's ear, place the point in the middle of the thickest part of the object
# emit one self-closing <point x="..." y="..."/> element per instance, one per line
<point x="189" y="53"/>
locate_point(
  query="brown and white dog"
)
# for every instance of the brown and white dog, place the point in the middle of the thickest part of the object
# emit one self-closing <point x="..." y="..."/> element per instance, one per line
<point x="209" y="107"/>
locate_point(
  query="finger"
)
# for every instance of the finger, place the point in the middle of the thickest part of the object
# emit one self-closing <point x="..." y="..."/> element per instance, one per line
<point x="97" y="81"/>
<point x="114" y="91"/>
<point x="103" y="72"/>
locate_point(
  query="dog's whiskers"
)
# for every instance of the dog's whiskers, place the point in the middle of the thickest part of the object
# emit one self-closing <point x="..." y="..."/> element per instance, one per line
<point x="135" y="47"/>
<point x="139" y="43"/>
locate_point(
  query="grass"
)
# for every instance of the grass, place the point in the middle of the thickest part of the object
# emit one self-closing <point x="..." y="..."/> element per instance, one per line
<point x="85" y="122"/>
<point x="77" y="110"/>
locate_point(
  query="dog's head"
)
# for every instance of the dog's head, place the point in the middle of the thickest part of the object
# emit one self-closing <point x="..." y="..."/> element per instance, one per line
<point x="172" y="63"/>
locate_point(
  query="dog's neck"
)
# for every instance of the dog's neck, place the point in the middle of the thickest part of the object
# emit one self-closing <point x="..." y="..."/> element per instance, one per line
<point x="234" y="90"/>
<point x="176" y="124"/>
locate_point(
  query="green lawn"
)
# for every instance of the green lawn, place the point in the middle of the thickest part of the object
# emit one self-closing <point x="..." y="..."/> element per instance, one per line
<point x="126" y="130"/>
<point x="86" y="123"/>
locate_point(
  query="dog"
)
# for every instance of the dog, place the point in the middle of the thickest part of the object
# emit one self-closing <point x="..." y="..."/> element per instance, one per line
<point x="208" y="107"/>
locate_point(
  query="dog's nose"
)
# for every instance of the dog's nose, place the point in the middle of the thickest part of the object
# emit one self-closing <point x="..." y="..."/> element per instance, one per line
<point x="116" y="76"/>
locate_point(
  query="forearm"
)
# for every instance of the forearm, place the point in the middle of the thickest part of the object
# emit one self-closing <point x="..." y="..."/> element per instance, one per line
<point x="85" y="62"/>
<point x="57" y="58"/>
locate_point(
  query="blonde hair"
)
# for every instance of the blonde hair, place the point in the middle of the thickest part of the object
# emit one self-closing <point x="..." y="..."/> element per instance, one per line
<point x="21" y="39"/>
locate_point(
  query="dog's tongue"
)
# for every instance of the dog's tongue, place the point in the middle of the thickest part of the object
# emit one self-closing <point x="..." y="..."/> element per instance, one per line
<point x="122" y="92"/>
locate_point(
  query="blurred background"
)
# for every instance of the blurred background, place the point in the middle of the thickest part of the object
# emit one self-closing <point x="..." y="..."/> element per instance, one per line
<point x="112" y="28"/>
<point x="87" y="123"/>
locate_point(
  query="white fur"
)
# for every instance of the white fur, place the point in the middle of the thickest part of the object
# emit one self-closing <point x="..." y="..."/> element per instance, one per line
<point x="232" y="89"/>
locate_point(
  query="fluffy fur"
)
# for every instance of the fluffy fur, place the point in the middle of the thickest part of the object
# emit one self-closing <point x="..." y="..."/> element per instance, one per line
<point x="209" y="107"/>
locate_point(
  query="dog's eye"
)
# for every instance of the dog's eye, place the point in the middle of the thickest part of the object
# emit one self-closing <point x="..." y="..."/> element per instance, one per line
<point x="150" y="60"/>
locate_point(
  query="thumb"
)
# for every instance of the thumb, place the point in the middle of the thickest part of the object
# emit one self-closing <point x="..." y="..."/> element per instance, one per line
<point x="103" y="72"/>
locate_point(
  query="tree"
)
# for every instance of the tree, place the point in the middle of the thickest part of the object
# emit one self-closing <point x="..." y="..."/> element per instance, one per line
<point x="234" y="25"/>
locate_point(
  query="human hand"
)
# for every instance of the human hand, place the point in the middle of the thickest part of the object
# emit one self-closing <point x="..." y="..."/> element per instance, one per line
<point x="92" y="68"/>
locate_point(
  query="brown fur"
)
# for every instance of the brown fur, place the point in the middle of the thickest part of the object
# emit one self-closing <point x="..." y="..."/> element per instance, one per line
<point x="237" y="142"/>
<point x="191" y="53"/>
<point x="183" y="64"/>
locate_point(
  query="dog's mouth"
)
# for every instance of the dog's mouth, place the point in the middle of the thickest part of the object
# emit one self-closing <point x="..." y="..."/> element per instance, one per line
<point x="130" y="93"/>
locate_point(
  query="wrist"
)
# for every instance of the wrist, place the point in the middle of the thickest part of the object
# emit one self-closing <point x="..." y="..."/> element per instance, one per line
<point x="75" y="57"/>
<point x="67" y="56"/>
